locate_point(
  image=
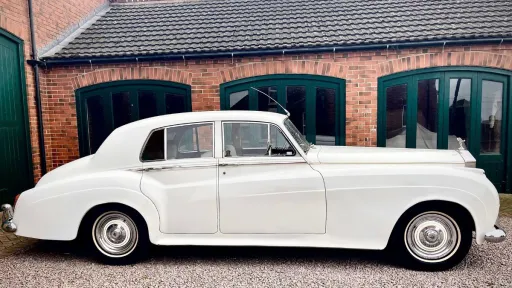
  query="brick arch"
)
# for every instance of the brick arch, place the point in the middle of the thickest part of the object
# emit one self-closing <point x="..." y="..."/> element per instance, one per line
<point x="444" y="59"/>
<point x="288" y="66"/>
<point x="134" y="73"/>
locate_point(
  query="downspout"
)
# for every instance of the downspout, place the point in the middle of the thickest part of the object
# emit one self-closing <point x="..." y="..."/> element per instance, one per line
<point x="39" y="108"/>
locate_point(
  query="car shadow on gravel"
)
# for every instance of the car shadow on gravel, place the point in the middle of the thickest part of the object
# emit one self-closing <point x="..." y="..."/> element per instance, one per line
<point x="162" y="254"/>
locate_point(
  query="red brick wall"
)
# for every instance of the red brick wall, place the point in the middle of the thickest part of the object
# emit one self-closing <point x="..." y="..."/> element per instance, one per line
<point x="360" y="69"/>
<point x="52" y="17"/>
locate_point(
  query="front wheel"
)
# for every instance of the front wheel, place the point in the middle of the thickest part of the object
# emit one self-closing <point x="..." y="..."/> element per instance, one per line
<point x="117" y="236"/>
<point x="432" y="240"/>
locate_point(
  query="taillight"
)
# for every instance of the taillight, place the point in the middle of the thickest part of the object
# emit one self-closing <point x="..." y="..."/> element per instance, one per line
<point x="16" y="199"/>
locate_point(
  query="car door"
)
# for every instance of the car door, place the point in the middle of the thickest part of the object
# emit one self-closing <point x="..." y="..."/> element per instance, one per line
<point x="265" y="186"/>
<point x="180" y="177"/>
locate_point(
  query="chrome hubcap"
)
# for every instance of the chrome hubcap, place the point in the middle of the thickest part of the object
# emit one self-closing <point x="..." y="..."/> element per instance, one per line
<point x="432" y="237"/>
<point x="115" y="234"/>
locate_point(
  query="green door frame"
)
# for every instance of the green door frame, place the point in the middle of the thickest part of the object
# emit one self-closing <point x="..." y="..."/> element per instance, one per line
<point x="106" y="90"/>
<point x="281" y="81"/>
<point x="23" y="92"/>
<point x="444" y="74"/>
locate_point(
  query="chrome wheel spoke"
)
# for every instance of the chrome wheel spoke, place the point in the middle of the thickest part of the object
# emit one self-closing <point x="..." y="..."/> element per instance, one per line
<point x="432" y="237"/>
<point x="115" y="234"/>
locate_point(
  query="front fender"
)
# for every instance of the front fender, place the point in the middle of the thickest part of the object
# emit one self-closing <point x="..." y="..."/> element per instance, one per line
<point x="366" y="201"/>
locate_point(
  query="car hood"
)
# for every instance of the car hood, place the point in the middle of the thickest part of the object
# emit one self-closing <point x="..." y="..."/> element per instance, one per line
<point x="378" y="155"/>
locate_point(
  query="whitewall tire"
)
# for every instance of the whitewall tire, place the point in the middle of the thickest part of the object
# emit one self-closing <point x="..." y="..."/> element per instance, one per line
<point x="432" y="238"/>
<point x="116" y="235"/>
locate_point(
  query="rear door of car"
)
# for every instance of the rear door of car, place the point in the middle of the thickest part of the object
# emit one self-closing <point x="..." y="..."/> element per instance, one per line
<point x="262" y="190"/>
<point x="180" y="177"/>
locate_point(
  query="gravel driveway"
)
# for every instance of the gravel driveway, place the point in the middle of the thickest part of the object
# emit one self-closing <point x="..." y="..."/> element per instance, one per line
<point x="52" y="264"/>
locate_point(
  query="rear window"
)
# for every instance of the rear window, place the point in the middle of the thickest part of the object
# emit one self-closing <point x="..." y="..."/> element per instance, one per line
<point x="154" y="149"/>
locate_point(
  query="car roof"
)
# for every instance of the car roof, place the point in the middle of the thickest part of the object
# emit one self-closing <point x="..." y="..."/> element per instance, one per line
<point x="192" y="117"/>
<point x="122" y="148"/>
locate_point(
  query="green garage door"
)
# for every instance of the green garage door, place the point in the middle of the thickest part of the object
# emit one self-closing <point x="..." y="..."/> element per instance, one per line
<point x="431" y="108"/>
<point x="316" y="103"/>
<point x="15" y="170"/>
<point x="104" y="107"/>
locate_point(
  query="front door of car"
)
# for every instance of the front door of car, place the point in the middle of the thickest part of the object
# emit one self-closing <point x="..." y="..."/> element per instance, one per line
<point x="265" y="186"/>
<point x="180" y="177"/>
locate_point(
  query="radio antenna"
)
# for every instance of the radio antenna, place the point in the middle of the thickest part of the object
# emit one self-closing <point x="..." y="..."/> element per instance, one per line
<point x="287" y="113"/>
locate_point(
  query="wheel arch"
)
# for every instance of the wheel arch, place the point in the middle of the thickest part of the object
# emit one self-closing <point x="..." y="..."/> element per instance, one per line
<point x="426" y="205"/>
<point x="112" y="206"/>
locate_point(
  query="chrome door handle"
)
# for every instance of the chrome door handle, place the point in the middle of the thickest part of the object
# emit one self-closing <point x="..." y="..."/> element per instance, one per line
<point x="152" y="169"/>
<point x="228" y="164"/>
<point x="171" y="167"/>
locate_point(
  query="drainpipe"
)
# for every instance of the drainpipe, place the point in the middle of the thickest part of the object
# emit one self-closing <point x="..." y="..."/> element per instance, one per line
<point x="39" y="108"/>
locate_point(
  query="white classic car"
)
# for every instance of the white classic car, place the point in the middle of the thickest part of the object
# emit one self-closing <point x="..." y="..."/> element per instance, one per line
<point x="250" y="178"/>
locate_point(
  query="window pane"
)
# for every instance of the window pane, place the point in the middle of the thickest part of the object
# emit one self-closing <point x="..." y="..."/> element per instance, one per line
<point x="301" y="140"/>
<point x="264" y="103"/>
<point x="396" y="117"/>
<point x="296" y="105"/>
<point x="245" y="139"/>
<point x="96" y="123"/>
<point x="325" y="116"/>
<point x="492" y="96"/>
<point x="121" y="108"/>
<point x="154" y="149"/>
<point x="174" y="103"/>
<point x="280" y="145"/>
<point x="459" y="124"/>
<point x="190" y="141"/>
<point x="252" y="139"/>
<point x="147" y="104"/>
<point x="239" y="100"/>
<point x="426" y="133"/>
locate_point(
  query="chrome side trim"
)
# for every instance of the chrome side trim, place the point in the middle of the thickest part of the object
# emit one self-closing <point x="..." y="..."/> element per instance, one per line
<point x="174" y="167"/>
<point x="7" y="215"/>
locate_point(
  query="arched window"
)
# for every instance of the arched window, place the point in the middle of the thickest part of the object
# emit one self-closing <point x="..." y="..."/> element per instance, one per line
<point x="316" y="103"/>
<point x="104" y="107"/>
<point x="431" y="108"/>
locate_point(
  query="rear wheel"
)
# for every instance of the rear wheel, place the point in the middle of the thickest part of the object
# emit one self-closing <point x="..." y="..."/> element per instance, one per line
<point x="116" y="235"/>
<point x="432" y="239"/>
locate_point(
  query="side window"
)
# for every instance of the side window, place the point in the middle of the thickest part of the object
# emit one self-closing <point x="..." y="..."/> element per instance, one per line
<point x="255" y="139"/>
<point x="190" y="141"/>
<point x="154" y="149"/>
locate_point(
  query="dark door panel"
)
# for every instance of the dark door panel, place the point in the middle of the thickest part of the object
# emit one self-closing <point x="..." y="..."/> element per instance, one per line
<point x="15" y="162"/>
<point x="432" y="108"/>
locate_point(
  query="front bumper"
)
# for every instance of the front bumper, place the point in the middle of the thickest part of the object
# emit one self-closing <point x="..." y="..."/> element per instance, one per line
<point x="495" y="236"/>
<point x="7" y="215"/>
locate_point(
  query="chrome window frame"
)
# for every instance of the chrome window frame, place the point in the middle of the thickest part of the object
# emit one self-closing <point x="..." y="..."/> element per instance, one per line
<point x="297" y="154"/>
<point x="212" y="123"/>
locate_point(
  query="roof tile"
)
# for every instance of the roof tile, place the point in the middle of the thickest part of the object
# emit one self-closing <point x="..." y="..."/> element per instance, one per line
<point x="239" y="25"/>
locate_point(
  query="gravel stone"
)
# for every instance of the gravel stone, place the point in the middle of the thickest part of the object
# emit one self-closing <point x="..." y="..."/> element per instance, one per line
<point x="53" y="264"/>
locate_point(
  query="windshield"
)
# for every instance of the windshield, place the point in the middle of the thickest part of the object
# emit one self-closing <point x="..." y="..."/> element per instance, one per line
<point x="304" y="144"/>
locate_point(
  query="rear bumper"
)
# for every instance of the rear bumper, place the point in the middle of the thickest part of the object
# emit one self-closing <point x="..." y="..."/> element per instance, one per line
<point x="495" y="236"/>
<point x="7" y="215"/>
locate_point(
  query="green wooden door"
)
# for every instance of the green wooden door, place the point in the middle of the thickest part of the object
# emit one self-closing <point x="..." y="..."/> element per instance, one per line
<point x="15" y="162"/>
<point x="490" y="127"/>
<point x="431" y="108"/>
<point x="104" y="107"/>
<point x="316" y="103"/>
